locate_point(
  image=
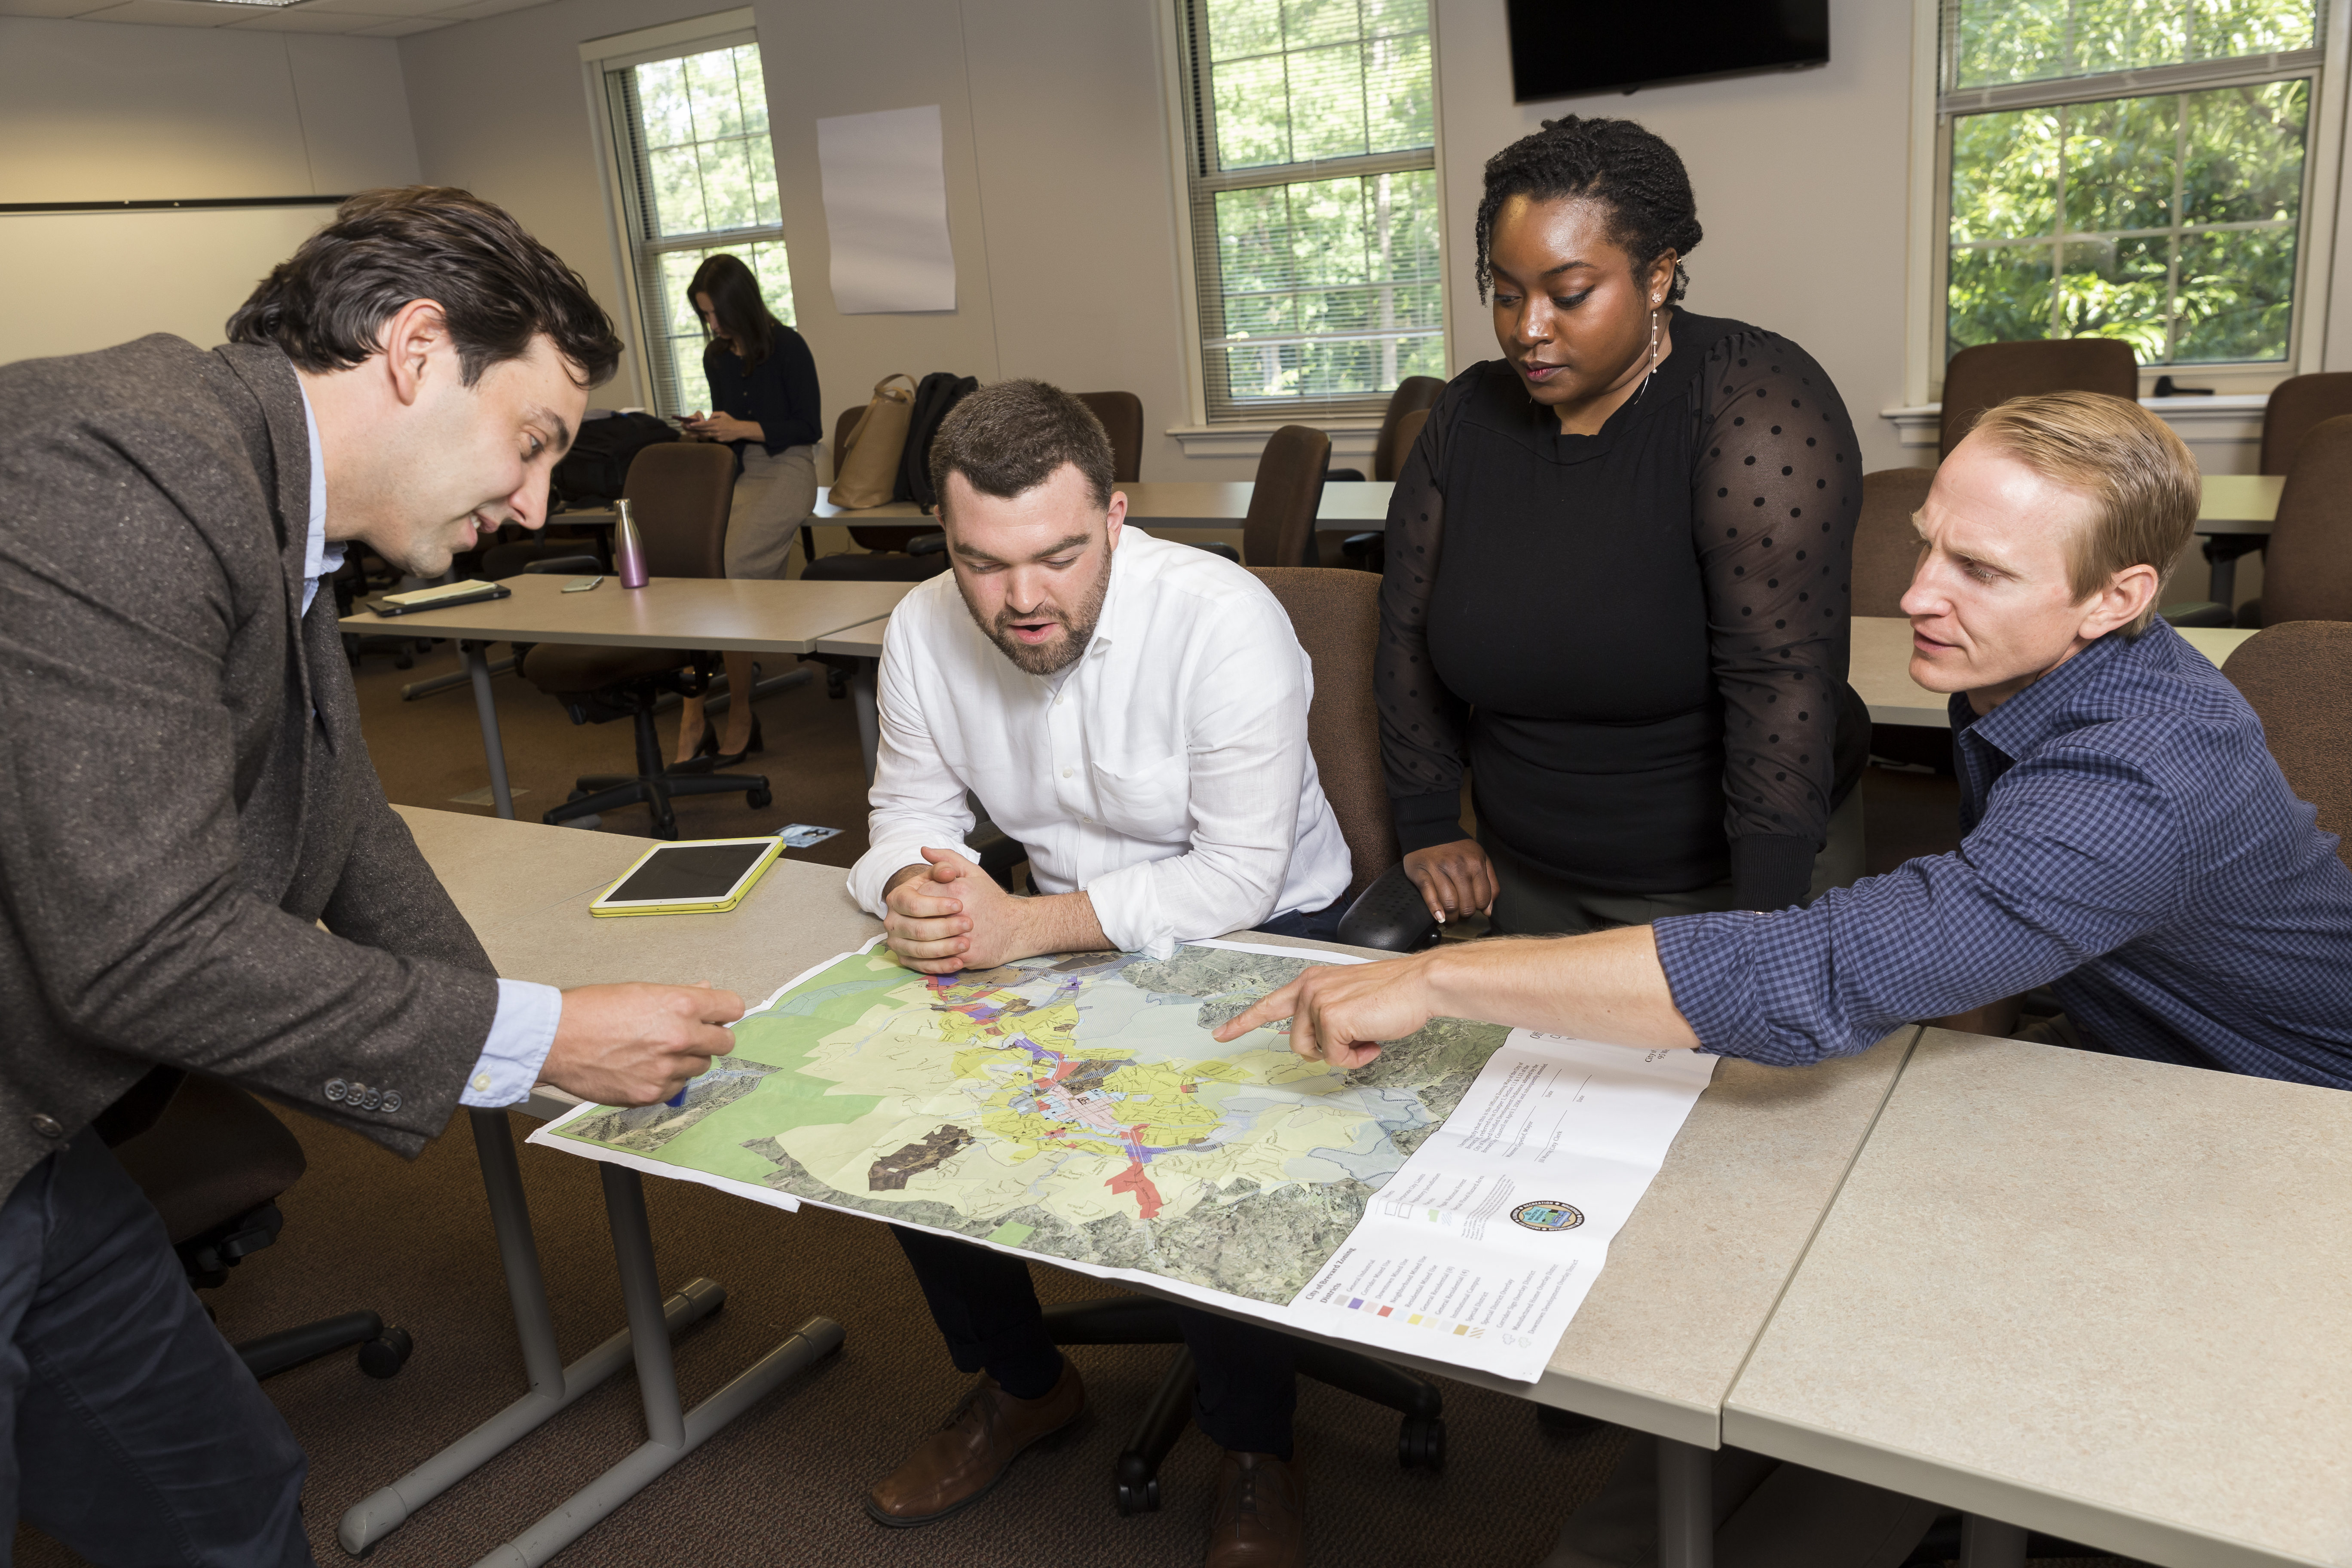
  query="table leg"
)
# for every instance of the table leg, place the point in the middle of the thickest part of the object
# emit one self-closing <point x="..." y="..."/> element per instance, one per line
<point x="2222" y="581"/>
<point x="1990" y="1543"/>
<point x="870" y="716"/>
<point x="1685" y="1505"/>
<point x="486" y="707"/>
<point x="554" y="1385"/>
<point x="671" y="1434"/>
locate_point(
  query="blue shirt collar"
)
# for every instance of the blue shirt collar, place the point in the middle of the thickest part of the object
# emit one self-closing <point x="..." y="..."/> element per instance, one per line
<point x="2048" y="707"/>
<point x="319" y="557"/>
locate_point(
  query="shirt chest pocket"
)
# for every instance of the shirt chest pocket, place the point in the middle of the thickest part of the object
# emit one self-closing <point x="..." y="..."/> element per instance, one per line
<point x="1146" y="799"/>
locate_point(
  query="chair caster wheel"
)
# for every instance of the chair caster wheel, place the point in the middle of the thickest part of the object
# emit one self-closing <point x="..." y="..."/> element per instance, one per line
<point x="837" y="682"/>
<point x="1421" y="1444"/>
<point x="385" y="1355"/>
<point x="758" y="799"/>
<point x="1144" y="1499"/>
<point x="403" y="661"/>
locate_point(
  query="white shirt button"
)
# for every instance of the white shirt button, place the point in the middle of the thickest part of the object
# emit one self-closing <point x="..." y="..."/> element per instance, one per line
<point x="482" y="1082"/>
<point x="1059" y="701"/>
<point x="1069" y="773"/>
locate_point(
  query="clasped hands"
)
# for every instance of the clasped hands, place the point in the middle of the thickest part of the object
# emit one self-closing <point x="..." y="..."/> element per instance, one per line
<point x="948" y="914"/>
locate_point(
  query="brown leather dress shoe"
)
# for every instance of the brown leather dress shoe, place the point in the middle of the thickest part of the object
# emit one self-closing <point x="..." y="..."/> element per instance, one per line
<point x="956" y="1465"/>
<point x="1261" y="1518"/>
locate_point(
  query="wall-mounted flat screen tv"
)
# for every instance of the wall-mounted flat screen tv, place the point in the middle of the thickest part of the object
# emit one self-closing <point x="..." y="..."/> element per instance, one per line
<point x="1563" y="48"/>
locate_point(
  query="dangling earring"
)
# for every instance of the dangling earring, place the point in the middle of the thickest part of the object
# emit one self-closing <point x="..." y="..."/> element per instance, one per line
<point x="1653" y="358"/>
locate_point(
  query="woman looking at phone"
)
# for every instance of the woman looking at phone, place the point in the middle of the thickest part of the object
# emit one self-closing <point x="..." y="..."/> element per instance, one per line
<point x="764" y="404"/>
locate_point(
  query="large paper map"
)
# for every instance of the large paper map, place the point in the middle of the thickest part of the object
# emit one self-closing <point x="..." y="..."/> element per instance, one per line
<point x="1066" y="1106"/>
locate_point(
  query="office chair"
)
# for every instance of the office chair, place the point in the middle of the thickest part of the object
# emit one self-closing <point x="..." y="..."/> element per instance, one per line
<point x="1336" y="613"/>
<point x="1279" y="530"/>
<point x="1121" y="414"/>
<point x="2294" y="406"/>
<point x="1415" y="394"/>
<point x="680" y="492"/>
<point x="213" y="1161"/>
<point x="2298" y="679"/>
<point x="2307" y="560"/>
<point x="1989" y="374"/>
<point x="887" y="554"/>
<point x="1885" y="545"/>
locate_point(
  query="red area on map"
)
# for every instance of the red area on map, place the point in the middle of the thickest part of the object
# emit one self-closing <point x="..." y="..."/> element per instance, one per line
<point x="1147" y="1200"/>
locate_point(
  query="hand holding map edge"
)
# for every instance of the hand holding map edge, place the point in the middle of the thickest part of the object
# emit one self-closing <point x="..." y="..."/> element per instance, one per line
<point x="1342" y="1013"/>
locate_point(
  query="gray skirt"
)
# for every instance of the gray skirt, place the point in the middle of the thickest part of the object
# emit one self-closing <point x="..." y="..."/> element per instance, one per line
<point x="773" y="496"/>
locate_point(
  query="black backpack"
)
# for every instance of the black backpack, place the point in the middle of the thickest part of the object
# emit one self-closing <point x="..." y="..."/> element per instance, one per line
<point x="590" y="474"/>
<point x="934" y="395"/>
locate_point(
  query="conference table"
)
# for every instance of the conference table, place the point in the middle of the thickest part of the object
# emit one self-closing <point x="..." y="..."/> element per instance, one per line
<point x="1880" y="670"/>
<point x="752" y="615"/>
<point x="1690" y="1283"/>
<point x="2234" y="517"/>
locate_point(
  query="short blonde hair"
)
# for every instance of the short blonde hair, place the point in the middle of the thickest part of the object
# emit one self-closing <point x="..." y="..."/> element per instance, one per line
<point x="2138" y="475"/>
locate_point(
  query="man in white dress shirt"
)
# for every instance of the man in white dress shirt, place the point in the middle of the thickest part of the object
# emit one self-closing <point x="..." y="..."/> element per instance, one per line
<point x="1133" y="711"/>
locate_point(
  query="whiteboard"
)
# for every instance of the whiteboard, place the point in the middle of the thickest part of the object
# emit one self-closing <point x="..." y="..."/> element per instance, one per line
<point x="84" y="280"/>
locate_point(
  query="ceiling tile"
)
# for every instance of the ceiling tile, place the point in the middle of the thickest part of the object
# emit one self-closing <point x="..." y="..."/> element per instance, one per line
<point x="380" y="10"/>
<point x="171" y="14"/>
<point x="405" y="26"/>
<point x="55" y="8"/>
<point x="308" y="20"/>
<point x="479" y="8"/>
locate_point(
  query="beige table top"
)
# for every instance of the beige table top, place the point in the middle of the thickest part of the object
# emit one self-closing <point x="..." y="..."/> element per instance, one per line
<point x="753" y="614"/>
<point x="864" y="641"/>
<point x="2240" y="503"/>
<point x="1881" y="668"/>
<point x="1174" y="504"/>
<point x="2101" y="1297"/>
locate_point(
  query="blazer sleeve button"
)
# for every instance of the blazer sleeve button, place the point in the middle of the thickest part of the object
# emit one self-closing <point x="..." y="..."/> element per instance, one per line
<point x="48" y="1126"/>
<point x="337" y="1088"/>
<point x="391" y="1101"/>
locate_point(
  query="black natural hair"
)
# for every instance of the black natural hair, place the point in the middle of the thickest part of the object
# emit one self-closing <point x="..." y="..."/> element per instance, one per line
<point x="1624" y="166"/>
<point x="742" y="311"/>
<point x="1009" y="439"/>
<point x="497" y="288"/>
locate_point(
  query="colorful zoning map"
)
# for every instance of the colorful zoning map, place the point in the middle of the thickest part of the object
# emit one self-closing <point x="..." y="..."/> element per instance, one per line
<point x="1073" y="1107"/>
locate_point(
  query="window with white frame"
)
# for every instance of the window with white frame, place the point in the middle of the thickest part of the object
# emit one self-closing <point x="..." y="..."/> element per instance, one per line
<point x="2131" y="169"/>
<point x="697" y="176"/>
<point x="1311" y="154"/>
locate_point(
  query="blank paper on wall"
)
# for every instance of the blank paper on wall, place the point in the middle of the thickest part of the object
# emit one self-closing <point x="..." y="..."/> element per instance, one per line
<point x="886" y="203"/>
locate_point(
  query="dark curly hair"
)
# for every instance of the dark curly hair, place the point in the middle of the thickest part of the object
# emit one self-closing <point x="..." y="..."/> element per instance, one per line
<point x="497" y="288"/>
<point x="1615" y="162"/>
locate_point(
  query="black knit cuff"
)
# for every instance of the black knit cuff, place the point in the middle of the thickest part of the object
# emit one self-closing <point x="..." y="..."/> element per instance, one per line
<point x="1770" y="871"/>
<point x="1424" y="821"/>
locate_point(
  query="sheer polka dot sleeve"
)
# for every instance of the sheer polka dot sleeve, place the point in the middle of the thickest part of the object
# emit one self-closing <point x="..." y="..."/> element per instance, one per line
<point x="1777" y="490"/>
<point x="1423" y="726"/>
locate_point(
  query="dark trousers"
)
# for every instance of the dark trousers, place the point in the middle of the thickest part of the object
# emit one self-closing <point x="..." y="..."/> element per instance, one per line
<point x="987" y="1310"/>
<point x="136" y="1435"/>
<point x="1308" y="925"/>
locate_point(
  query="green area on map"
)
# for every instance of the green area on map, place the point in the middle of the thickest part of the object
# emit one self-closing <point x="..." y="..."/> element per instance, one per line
<point x="1074" y="1107"/>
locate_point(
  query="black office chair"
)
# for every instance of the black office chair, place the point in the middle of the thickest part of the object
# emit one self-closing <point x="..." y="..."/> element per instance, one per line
<point x="213" y="1162"/>
<point x="1337" y="616"/>
<point x="680" y="493"/>
<point x="1414" y="395"/>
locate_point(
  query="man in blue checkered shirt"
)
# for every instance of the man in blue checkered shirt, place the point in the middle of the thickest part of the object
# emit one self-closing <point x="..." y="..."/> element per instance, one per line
<point x="2130" y="842"/>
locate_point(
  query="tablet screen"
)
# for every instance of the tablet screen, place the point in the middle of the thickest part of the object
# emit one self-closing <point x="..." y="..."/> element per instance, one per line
<point x="688" y="873"/>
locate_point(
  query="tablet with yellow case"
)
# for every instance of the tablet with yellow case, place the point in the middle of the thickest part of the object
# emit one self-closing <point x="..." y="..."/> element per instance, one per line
<point x="695" y="877"/>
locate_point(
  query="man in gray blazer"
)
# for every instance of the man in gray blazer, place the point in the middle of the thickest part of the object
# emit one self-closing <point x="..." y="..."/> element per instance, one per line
<point x="198" y="870"/>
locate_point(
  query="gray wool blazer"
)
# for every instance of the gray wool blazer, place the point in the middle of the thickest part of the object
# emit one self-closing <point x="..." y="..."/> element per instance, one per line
<point x="187" y="796"/>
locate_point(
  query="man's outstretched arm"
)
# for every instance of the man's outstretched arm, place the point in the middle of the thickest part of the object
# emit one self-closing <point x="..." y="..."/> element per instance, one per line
<point x="1605" y="987"/>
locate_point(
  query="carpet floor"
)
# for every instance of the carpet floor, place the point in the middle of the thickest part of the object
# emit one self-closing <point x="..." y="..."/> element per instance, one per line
<point x="781" y="1486"/>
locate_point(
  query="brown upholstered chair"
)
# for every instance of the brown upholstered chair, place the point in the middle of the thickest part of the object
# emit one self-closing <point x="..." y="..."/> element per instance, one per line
<point x="2296" y="406"/>
<point x="1400" y="428"/>
<point x="1121" y="414"/>
<point x="886" y="553"/>
<point x="1885" y="545"/>
<point x="1979" y="377"/>
<point x="2307" y="570"/>
<point x="1280" y="528"/>
<point x="2298" y="678"/>
<point x="680" y="494"/>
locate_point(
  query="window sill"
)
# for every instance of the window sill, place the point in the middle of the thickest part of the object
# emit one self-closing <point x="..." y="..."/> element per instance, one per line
<point x="2216" y="418"/>
<point x="1351" y="438"/>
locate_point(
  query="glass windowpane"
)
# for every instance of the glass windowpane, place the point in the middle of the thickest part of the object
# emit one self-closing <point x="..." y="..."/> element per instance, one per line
<point x="2117" y="288"/>
<point x="2004" y="175"/>
<point x="2237" y="295"/>
<point x="2245" y="153"/>
<point x="2119" y="163"/>
<point x="1998" y="294"/>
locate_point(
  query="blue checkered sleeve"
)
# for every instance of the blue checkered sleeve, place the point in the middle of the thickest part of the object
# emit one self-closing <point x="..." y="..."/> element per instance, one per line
<point x="2078" y="852"/>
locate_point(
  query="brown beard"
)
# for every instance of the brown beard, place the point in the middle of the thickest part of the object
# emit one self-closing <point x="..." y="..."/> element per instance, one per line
<point x="1043" y="659"/>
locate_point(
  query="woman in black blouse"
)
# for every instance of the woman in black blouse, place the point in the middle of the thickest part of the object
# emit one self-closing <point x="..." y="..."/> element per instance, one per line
<point x="1617" y="576"/>
<point x="764" y="404"/>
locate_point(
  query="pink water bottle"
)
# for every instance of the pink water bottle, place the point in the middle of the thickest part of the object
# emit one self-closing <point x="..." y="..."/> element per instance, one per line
<point x="628" y="548"/>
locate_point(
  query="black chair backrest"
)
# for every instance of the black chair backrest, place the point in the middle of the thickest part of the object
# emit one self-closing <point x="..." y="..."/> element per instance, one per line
<point x="2298" y="678"/>
<point x="1280" y="528"/>
<point x="1989" y="373"/>
<point x="680" y="495"/>
<point x="2307" y="560"/>
<point x="2296" y="404"/>
<point x="1414" y="395"/>
<point x="1336" y="615"/>
<point x="1121" y="414"/>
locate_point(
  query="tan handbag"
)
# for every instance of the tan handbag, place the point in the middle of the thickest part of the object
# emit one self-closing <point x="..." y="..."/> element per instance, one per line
<point x="865" y="470"/>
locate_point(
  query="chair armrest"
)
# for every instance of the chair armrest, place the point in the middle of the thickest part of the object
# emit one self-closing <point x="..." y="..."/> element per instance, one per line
<point x="1390" y="915"/>
<point x="559" y="564"/>
<point x="2198" y="613"/>
<point x="928" y="544"/>
<point x="1350" y="476"/>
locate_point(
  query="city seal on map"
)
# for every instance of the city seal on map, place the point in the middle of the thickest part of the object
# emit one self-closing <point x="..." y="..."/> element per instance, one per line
<point x="1546" y="1214"/>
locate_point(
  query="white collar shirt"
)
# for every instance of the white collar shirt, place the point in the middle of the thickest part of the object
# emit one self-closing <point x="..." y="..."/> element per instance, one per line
<point x="1168" y="776"/>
